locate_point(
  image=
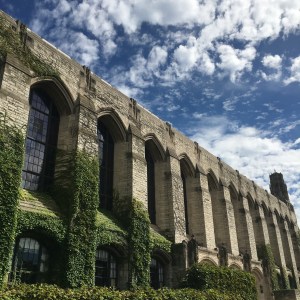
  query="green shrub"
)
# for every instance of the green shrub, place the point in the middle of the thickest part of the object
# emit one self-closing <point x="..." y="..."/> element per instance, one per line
<point x="205" y="277"/>
<point x="51" y="292"/>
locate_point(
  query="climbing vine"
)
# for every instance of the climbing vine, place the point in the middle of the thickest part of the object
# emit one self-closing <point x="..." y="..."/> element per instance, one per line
<point x="140" y="245"/>
<point x="81" y="233"/>
<point x="11" y="160"/>
<point x="266" y="255"/>
<point x="11" y="42"/>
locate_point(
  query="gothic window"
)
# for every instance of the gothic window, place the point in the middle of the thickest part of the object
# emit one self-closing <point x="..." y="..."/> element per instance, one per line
<point x="156" y="273"/>
<point x="150" y="186"/>
<point x="185" y="202"/>
<point x="106" y="163"/>
<point x="106" y="269"/>
<point x="30" y="261"/>
<point x="41" y="142"/>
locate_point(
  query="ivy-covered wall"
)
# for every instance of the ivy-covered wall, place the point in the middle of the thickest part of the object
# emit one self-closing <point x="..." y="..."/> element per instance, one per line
<point x="82" y="231"/>
<point x="279" y="281"/>
<point x="11" y="161"/>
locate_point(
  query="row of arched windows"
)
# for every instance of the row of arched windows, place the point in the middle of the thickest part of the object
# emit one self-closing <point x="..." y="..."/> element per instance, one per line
<point x="31" y="265"/>
<point x="41" y="148"/>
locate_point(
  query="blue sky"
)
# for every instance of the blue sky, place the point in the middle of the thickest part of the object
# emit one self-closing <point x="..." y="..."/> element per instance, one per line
<point x="225" y="73"/>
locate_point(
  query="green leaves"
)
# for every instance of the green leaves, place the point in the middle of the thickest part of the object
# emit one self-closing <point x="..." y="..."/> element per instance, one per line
<point x="52" y="292"/>
<point x="223" y="279"/>
<point x="11" y="160"/>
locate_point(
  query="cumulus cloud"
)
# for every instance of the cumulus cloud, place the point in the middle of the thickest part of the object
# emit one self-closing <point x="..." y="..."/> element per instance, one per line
<point x="253" y="152"/>
<point x="234" y="61"/>
<point x="196" y="36"/>
<point x="294" y="71"/>
<point x="273" y="64"/>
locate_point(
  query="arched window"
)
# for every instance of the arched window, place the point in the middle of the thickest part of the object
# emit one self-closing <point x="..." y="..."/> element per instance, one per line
<point x="41" y="142"/>
<point x="151" y="186"/>
<point x="156" y="273"/>
<point x="106" y="163"/>
<point x="30" y="261"/>
<point x="186" y="175"/>
<point x="106" y="268"/>
<point x="185" y="203"/>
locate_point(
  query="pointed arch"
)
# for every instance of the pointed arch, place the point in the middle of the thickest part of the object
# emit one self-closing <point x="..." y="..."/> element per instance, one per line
<point x="213" y="182"/>
<point x="115" y="124"/>
<point x="155" y="146"/>
<point x="208" y="261"/>
<point x="58" y="91"/>
<point x="187" y="166"/>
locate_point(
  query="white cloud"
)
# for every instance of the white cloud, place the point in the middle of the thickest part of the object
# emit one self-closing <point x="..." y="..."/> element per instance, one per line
<point x="201" y="37"/>
<point x="272" y="61"/>
<point x="251" y="151"/>
<point x="294" y="71"/>
<point x="234" y="61"/>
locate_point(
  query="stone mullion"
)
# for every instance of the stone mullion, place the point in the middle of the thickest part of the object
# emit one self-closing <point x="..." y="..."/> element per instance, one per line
<point x="175" y="194"/>
<point x="207" y="214"/>
<point x="292" y="253"/>
<point x="231" y="221"/>
<point x="250" y="229"/>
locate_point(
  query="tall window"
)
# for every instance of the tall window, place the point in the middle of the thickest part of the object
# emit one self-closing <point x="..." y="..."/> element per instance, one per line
<point x="30" y="261"/>
<point x="150" y="186"/>
<point x="106" y="162"/>
<point x="106" y="269"/>
<point x="183" y="177"/>
<point x="41" y="142"/>
<point x="156" y="273"/>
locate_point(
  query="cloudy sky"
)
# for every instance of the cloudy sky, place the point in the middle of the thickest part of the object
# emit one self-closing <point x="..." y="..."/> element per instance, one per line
<point x="226" y="73"/>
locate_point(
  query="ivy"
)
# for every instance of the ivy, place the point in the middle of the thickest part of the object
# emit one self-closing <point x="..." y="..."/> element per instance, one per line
<point x="140" y="245"/>
<point x="223" y="279"/>
<point x="44" y="224"/>
<point x="81" y="233"/>
<point x="11" y="161"/>
<point x="266" y="255"/>
<point x="109" y="230"/>
<point x="159" y="242"/>
<point x="10" y="42"/>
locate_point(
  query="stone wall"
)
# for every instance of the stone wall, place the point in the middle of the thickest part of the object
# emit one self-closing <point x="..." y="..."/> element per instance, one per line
<point x="223" y="206"/>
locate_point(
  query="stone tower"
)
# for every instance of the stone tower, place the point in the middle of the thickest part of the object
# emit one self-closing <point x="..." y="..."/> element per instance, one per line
<point x="278" y="187"/>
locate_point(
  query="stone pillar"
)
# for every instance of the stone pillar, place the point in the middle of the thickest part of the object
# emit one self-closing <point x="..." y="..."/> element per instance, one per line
<point x="15" y="81"/>
<point x="249" y="229"/>
<point x="206" y="235"/>
<point x="175" y="195"/>
<point x="291" y="252"/>
<point x="137" y="165"/>
<point x="262" y="233"/>
<point x="276" y="242"/>
<point x="229" y="212"/>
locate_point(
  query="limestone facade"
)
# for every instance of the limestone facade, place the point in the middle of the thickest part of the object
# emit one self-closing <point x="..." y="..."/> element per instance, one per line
<point x="197" y="195"/>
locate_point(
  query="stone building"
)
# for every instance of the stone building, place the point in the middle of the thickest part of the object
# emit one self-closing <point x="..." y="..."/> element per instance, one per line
<point x="209" y="211"/>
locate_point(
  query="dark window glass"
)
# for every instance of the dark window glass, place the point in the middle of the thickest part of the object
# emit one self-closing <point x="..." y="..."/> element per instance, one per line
<point x="30" y="261"/>
<point x="105" y="269"/>
<point x="41" y="142"/>
<point x="185" y="203"/>
<point x="150" y="186"/>
<point x="156" y="273"/>
<point x="106" y="162"/>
